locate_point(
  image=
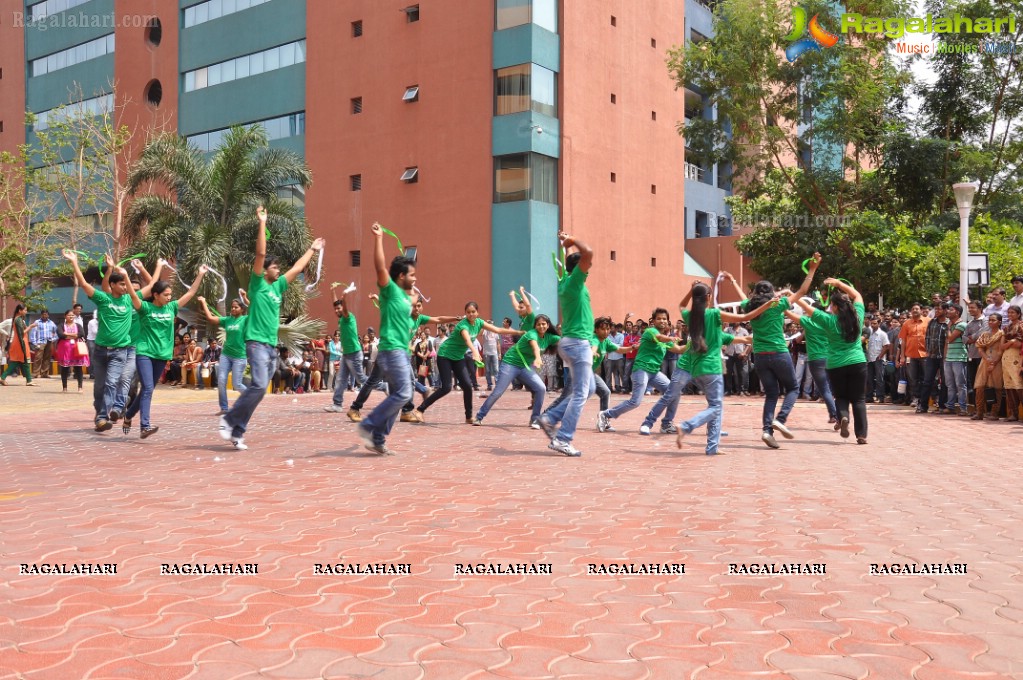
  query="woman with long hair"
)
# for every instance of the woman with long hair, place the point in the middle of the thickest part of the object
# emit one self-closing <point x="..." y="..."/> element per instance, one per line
<point x="771" y="353"/>
<point x="452" y="363"/>
<point x="156" y="345"/>
<point x="847" y="364"/>
<point x="232" y="356"/>
<point x="523" y="361"/>
<point x="69" y="334"/>
<point x="19" y="358"/>
<point x="703" y="324"/>
<point x="989" y="373"/>
<point x="1011" y="344"/>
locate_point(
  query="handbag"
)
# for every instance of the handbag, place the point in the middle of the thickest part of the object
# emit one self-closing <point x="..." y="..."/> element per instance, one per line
<point x="424" y="370"/>
<point x="81" y="349"/>
<point x="205" y="371"/>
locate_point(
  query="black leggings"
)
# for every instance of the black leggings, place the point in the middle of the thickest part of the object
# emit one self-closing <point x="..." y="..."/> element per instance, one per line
<point x="65" y="371"/>
<point x="460" y="369"/>
<point x="848" y="384"/>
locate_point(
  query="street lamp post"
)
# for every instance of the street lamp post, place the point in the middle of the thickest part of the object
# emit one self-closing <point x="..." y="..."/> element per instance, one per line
<point x="964" y="192"/>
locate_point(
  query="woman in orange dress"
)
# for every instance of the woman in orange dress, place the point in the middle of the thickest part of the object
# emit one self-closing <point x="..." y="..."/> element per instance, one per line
<point x="18" y="356"/>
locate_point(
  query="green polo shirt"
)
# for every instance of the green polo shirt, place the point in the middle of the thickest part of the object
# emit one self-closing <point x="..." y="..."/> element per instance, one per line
<point x="709" y="362"/>
<point x="349" y="328"/>
<point x="454" y="348"/>
<point x="576" y="312"/>
<point x="651" y="352"/>
<point x="521" y="354"/>
<point x="816" y="338"/>
<point x="769" y="328"/>
<point x="841" y="352"/>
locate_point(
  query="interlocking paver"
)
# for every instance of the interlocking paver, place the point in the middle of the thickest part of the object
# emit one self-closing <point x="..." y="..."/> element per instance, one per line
<point x="306" y="494"/>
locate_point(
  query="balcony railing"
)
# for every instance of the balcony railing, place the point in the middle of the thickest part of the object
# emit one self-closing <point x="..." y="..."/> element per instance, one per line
<point x="695" y="172"/>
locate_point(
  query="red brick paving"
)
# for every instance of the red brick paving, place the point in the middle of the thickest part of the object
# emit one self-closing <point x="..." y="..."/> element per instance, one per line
<point x="927" y="489"/>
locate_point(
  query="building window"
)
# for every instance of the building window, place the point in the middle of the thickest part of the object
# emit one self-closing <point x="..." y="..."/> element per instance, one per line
<point x="356" y="182"/>
<point x="356" y="105"/>
<point x="543" y="13"/>
<point x="88" y="107"/>
<point x="292" y="125"/>
<point x="357" y="29"/>
<point x="653" y="42"/>
<point x="412" y="13"/>
<point x="653" y="115"/>
<point x="154" y="93"/>
<point x="526" y="87"/>
<point x="356" y="257"/>
<point x="653" y="261"/>
<point x="614" y="20"/>
<point x="214" y="9"/>
<point x="243" y="67"/>
<point x="526" y="176"/>
<point x="292" y="194"/>
<point x="41" y="10"/>
<point x="154" y="32"/>
<point x="613" y="256"/>
<point x="73" y="55"/>
<point x="614" y="178"/>
<point x="411" y="94"/>
<point x="653" y="188"/>
<point x="410" y="176"/>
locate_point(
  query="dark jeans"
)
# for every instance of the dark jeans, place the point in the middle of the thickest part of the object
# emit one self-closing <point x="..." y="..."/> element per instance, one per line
<point x="914" y="378"/>
<point x="933" y="368"/>
<point x="818" y="369"/>
<point x="778" y="376"/>
<point x="448" y="369"/>
<point x="149" y="372"/>
<point x="875" y="379"/>
<point x="848" y="384"/>
<point x="738" y="374"/>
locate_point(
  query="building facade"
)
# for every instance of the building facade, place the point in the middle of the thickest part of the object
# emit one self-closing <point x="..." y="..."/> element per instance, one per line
<point x="474" y="130"/>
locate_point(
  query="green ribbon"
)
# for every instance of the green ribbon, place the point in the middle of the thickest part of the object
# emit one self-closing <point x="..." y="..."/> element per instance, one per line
<point x="390" y="233"/>
<point x="806" y="265"/>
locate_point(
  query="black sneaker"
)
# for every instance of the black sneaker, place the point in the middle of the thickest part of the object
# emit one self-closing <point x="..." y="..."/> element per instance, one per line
<point x="147" y="432"/>
<point x="115" y="415"/>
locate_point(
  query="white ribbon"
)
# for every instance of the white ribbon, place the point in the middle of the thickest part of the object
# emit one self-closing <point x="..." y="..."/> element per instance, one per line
<point x="168" y="266"/>
<point x="319" y="268"/>
<point x="241" y="296"/>
<point x="223" y="281"/>
<point x="420" y="294"/>
<point x="718" y="280"/>
<point x="533" y="298"/>
<point x="349" y="289"/>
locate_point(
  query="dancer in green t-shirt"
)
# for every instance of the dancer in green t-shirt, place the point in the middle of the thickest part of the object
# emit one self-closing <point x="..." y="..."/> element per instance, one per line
<point x="232" y="356"/>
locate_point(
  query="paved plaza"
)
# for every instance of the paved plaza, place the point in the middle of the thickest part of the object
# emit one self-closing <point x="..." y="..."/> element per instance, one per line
<point x="640" y="560"/>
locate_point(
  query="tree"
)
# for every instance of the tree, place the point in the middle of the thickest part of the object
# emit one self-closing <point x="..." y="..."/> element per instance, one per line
<point x="202" y="211"/>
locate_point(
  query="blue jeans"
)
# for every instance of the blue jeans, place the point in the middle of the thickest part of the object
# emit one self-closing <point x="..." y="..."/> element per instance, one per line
<point x="669" y="398"/>
<point x="108" y="365"/>
<point x="126" y="377"/>
<point x="955" y="379"/>
<point x="393" y="365"/>
<point x="776" y="374"/>
<point x="603" y="392"/>
<point x="578" y="359"/>
<point x="492" y="364"/>
<point x="713" y="387"/>
<point x="234" y="367"/>
<point x="818" y="369"/>
<point x="262" y="362"/>
<point x="351" y="365"/>
<point x="505" y="376"/>
<point x="149" y="371"/>
<point x="641" y="380"/>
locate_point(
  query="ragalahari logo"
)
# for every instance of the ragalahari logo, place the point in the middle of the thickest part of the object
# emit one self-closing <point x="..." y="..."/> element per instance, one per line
<point x="817" y="39"/>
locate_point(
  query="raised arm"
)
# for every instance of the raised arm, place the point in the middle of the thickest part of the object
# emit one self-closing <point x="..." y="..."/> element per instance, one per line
<point x="257" y="265"/>
<point x="584" y="250"/>
<point x="136" y="302"/>
<point x="183" y="300"/>
<point x="808" y="280"/>
<point x="244" y="297"/>
<point x="525" y="300"/>
<point x="344" y="304"/>
<point x="807" y="308"/>
<point x="72" y="257"/>
<point x="107" y="271"/>
<point x="750" y="315"/>
<point x="502" y="331"/>
<point x="147" y="280"/>
<point x="304" y="260"/>
<point x="210" y="318"/>
<point x="379" y="261"/>
<point x="853" y="294"/>
<point x="735" y="285"/>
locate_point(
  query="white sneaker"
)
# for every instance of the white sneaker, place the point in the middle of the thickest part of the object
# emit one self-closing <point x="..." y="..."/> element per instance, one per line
<point x="785" y="432"/>
<point x="239" y="444"/>
<point x="644" y="429"/>
<point x="534" y="425"/>
<point x="333" y="408"/>
<point x="565" y="448"/>
<point x="769" y="440"/>
<point x="225" y="429"/>
<point x="602" y="421"/>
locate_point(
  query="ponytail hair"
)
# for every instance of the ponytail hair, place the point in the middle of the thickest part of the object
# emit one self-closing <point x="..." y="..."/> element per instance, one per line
<point x="158" y="288"/>
<point x="697" y="322"/>
<point x="848" y="322"/>
<point x="763" y="292"/>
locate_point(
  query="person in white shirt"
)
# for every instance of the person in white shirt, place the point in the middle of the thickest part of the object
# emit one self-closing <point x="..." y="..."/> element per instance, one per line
<point x="1017" y="286"/>
<point x="1000" y="305"/>
<point x="90" y="334"/>
<point x="878" y="347"/>
<point x="491" y="355"/>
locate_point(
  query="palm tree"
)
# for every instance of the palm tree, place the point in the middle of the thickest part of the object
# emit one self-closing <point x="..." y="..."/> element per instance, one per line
<point x="201" y="211"/>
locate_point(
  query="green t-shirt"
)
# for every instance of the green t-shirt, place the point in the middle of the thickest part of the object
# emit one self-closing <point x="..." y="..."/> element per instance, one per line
<point x="454" y="347"/>
<point x="526" y="322"/>
<point x="234" y="335"/>
<point x="842" y="353"/>
<point x="396" y="322"/>
<point x="350" y="343"/>
<point x="521" y="354"/>
<point x="576" y="313"/>
<point x="136" y="327"/>
<point x="769" y="328"/>
<point x="651" y="352"/>
<point x="603" y="347"/>
<point x="114" y="319"/>
<point x="264" y="309"/>
<point x="156" y="336"/>
<point x="709" y="362"/>
<point x="957" y="348"/>
<point x="817" y="344"/>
